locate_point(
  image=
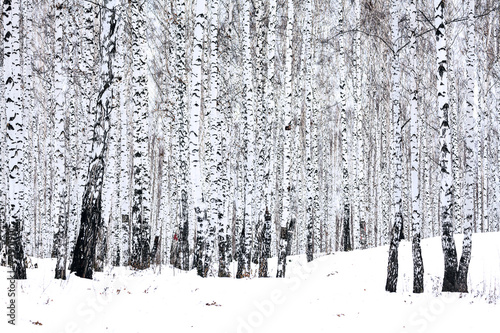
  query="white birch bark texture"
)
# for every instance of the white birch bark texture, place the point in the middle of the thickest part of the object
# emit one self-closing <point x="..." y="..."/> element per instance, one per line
<point x="260" y="130"/>
<point x="392" y="267"/>
<point x="310" y="135"/>
<point x="182" y="147"/>
<point x="446" y="203"/>
<point x="91" y="219"/>
<point x="122" y="71"/>
<point x="60" y="149"/>
<point x="463" y="267"/>
<point x="270" y="110"/>
<point x="346" y="200"/>
<point x="288" y="217"/>
<point x="248" y="152"/>
<point x="194" y="134"/>
<point x="416" y="220"/>
<point x="14" y="134"/>
<point x="359" y="233"/>
<point x="3" y="161"/>
<point x="141" y="206"/>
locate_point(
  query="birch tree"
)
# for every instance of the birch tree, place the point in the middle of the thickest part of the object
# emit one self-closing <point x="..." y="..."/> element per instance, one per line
<point x="14" y="135"/>
<point x="447" y="241"/>
<point x="265" y="249"/>
<point x="288" y="217"/>
<point x="310" y="134"/>
<point x="181" y="148"/>
<point x="141" y="206"/>
<point x="346" y="200"/>
<point x="60" y="237"/>
<point x="392" y="266"/>
<point x="194" y="136"/>
<point x="463" y="268"/>
<point x="248" y="149"/>
<point x="416" y="221"/>
<point x="91" y="219"/>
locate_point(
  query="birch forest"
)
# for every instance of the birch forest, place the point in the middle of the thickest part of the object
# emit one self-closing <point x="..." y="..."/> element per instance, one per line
<point x="198" y="134"/>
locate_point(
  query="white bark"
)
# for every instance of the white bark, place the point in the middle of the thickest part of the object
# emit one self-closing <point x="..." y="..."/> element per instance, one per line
<point x="289" y="129"/>
<point x="141" y="208"/>
<point x="14" y="133"/>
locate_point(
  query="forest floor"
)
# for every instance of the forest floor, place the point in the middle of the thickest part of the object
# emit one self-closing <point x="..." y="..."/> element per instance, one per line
<point x="343" y="292"/>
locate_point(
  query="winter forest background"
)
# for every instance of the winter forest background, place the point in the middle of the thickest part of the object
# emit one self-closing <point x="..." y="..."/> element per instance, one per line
<point x="197" y="133"/>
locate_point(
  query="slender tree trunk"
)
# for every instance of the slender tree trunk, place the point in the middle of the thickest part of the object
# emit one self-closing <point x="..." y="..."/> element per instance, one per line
<point x="266" y="234"/>
<point x="182" y="135"/>
<point x="309" y="137"/>
<point x="194" y="136"/>
<point x="346" y="200"/>
<point x="416" y="221"/>
<point x="248" y="148"/>
<point x="392" y="266"/>
<point x="61" y="196"/>
<point x="141" y="207"/>
<point x="448" y="243"/>
<point x="288" y="218"/>
<point x="216" y="219"/>
<point x="463" y="267"/>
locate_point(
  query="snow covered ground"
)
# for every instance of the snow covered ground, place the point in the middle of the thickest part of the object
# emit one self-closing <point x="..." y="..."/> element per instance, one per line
<point x="343" y="292"/>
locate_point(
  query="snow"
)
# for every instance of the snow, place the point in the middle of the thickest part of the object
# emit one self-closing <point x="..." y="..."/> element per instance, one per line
<point x="340" y="292"/>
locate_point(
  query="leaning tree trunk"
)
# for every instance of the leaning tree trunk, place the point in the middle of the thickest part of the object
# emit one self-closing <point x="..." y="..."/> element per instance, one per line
<point x="85" y="249"/>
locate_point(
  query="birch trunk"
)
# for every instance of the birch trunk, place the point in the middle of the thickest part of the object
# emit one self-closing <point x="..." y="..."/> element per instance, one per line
<point x="416" y="221"/>
<point x="14" y="136"/>
<point x="91" y="219"/>
<point x="392" y="266"/>
<point x="288" y="218"/>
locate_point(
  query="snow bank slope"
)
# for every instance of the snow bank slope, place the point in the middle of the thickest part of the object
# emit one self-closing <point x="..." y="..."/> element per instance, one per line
<point x="343" y="292"/>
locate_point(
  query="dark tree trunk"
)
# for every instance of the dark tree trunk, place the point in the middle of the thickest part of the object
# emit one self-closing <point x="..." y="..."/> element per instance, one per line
<point x="91" y="220"/>
<point x="16" y="251"/>
<point x="346" y="230"/>
<point x="61" y="249"/>
<point x="310" y="239"/>
<point x="184" y="232"/>
<point x="265" y="248"/>
<point x="257" y="243"/>
<point x="463" y="271"/>
<point x="84" y="254"/>
<point x="140" y="245"/>
<point x="241" y="255"/>
<point x="101" y="249"/>
<point x="175" y="252"/>
<point x="200" y="243"/>
<point x="155" y="257"/>
<point x="393" y="265"/>
<point x="418" y="266"/>
<point x="282" y="254"/>
<point x="289" y="236"/>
